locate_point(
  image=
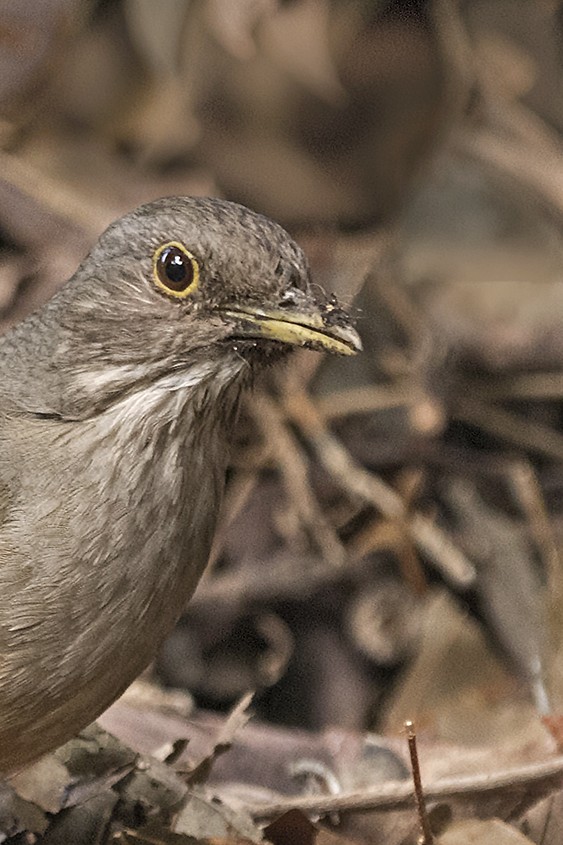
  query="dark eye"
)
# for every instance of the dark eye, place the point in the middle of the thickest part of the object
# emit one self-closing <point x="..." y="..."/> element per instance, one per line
<point x="176" y="271"/>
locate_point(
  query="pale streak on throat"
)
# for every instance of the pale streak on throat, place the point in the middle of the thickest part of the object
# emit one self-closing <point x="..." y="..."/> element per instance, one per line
<point x="168" y="394"/>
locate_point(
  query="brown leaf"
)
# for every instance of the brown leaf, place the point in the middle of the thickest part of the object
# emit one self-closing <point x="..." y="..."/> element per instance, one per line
<point x="293" y="828"/>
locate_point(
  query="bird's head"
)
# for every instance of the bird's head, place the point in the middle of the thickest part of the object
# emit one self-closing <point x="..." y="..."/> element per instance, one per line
<point x="182" y="283"/>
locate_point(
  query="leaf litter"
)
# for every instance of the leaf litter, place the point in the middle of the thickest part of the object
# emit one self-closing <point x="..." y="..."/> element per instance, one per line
<point x="390" y="549"/>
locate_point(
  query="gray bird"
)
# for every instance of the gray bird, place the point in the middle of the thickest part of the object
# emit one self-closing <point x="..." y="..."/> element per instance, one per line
<point x="116" y="410"/>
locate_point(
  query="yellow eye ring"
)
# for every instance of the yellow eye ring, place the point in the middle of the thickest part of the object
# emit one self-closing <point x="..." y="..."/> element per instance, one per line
<point x="175" y="270"/>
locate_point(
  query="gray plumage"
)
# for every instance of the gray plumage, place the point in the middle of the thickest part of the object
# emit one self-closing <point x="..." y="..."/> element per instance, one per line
<point x="116" y="407"/>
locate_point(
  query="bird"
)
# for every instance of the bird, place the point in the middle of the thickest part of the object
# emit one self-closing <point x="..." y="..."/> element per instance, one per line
<point x="118" y="401"/>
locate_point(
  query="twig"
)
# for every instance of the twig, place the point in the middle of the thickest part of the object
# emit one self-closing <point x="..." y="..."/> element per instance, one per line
<point x="365" y="400"/>
<point x="376" y="534"/>
<point x="358" y="482"/>
<point x="278" y="579"/>
<point x="410" y="565"/>
<point x="399" y="795"/>
<point x="529" y="435"/>
<point x="426" y="837"/>
<point x="530" y="497"/>
<point x="540" y="386"/>
<point x="294" y="470"/>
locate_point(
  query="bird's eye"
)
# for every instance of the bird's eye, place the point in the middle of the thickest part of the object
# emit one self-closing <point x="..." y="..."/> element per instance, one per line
<point x="175" y="270"/>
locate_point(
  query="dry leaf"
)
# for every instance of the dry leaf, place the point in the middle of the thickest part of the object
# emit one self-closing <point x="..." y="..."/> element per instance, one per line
<point x="18" y="815"/>
<point x="477" y="832"/>
<point x="203" y="816"/>
<point x="85" y="824"/>
<point x="238" y="717"/>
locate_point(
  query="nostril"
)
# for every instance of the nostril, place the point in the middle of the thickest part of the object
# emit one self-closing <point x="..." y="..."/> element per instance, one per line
<point x="289" y="298"/>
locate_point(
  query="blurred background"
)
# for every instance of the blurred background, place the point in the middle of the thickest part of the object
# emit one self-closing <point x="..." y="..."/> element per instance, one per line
<point x="390" y="545"/>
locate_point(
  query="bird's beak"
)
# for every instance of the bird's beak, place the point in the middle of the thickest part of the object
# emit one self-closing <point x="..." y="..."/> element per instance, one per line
<point x="325" y="329"/>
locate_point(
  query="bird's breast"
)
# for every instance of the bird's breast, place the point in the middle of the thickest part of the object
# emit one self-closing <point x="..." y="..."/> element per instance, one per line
<point x="155" y="469"/>
<point x="109" y="528"/>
